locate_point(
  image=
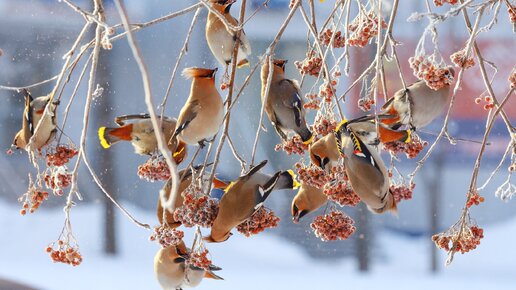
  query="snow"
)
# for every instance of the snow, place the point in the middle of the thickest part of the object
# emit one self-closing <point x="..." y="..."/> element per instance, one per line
<point x="261" y="262"/>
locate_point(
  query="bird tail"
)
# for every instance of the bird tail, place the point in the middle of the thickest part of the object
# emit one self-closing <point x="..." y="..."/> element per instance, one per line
<point x="180" y="153"/>
<point x="209" y="274"/>
<point x="306" y="135"/>
<point x="109" y="136"/>
<point x="243" y="63"/>
<point x="287" y="179"/>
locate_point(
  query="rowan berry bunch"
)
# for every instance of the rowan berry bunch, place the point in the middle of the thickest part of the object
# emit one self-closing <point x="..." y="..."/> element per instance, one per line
<point x="365" y="103"/>
<point x="435" y="75"/>
<point x="197" y="209"/>
<point x="333" y="226"/>
<point x="60" y="155"/>
<point x="261" y="219"/>
<point x="441" y="2"/>
<point x="57" y="178"/>
<point x="363" y="28"/>
<point x="459" y="59"/>
<point x="314" y="102"/>
<point x="312" y="175"/>
<point x="63" y="252"/>
<point x="154" y="169"/>
<point x="199" y="259"/>
<point x="324" y="126"/>
<point x="167" y="236"/>
<point x="339" y="189"/>
<point x="411" y="149"/>
<point x="32" y="199"/>
<point x="293" y="145"/>
<point x="401" y="191"/>
<point x="489" y="103"/>
<point x="512" y="78"/>
<point x="327" y="89"/>
<point x="474" y="199"/>
<point x="338" y="41"/>
<point x="467" y="241"/>
<point x="311" y="65"/>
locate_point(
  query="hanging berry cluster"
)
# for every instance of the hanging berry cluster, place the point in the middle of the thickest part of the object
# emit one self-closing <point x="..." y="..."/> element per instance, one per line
<point x="441" y="2"/>
<point x="338" y="41"/>
<point x="459" y="59"/>
<point x="363" y="28"/>
<point x="62" y="252"/>
<point x="263" y="218"/>
<point x="435" y="75"/>
<point x="466" y="240"/>
<point x="333" y="226"/>
<point x="154" y="169"/>
<point x="411" y="149"/>
<point x="167" y="236"/>
<point x="197" y="209"/>
<point x="339" y="189"/>
<point x="311" y="65"/>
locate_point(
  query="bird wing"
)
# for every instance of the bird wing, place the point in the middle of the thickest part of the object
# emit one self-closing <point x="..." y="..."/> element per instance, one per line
<point x="360" y="150"/>
<point x="264" y="191"/>
<point x="28" y="123"/>
<point x="292" y="99"/>
<point x="190" y="112"/>
<point x="120" y="119"/>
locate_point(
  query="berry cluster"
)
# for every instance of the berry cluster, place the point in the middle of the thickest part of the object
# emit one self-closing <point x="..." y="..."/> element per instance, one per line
<point x="314" y="102"/>
<point x="333" y="226"/>
<point x="401" y="191"/>
<point x="474" y="199"/>
<point x="323" y="126"/>
<point x="154" y="169"/>
<point x="57" y="178"/>
<point x="64" y="253"/>
<point x="468" y="241"/>
<point x="435" y="76"/>
<point x="261" y="219"/>
<point x="459" y="59"/>
<point x="338" y="41"/>
<point x="365" y="103"/>
<point x="488" y="100"/>
<point x="312" y="175"/>
<point x="311" y="65"/>
<point x="292" y="146"/>
<point x="339" y="189"/>
<point x="167" y="236"/>
<point x="199" y="259"/>
<point x="363" y="28"/>
<point x="224" y="86"/>
<point x="441" y="2"/>
<point x="34" y="197"/>
<point x="197" y="210"/>
<point x="327" y="90"/>
<point x="411" y="149"/>
<point x="61" y="155"/>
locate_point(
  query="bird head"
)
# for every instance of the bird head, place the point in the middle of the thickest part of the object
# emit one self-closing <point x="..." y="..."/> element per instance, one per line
<point x="223" y="6"/>
<point x="18" y="141"/>
<point x="280" y="64"/>
<point x="197" y="72"/>
<point x="322" y="150"/>
<point x="298" y="213"/>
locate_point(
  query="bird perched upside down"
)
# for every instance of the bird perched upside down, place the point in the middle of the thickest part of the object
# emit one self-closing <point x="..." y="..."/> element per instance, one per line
<point x="203" y="113"/>
<point x="325" y="153"/>
<point x="417" y="106"/>
<point x="173" y="273"/>
<point x="284" y="104"/>
<point x="32" y="116"/>
<point x="221" y="40"/>
<point x="365" y="169"/>
<point x="244" y="196"/>
<point x="308" y="199"/>
<point x="141" y="135"/>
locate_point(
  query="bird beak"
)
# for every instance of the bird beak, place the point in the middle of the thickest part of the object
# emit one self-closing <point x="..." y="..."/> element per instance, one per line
<point x="295" y="218"/>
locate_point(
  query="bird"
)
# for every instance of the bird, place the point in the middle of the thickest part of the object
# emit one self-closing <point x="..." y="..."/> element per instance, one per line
<point x="366" y="170"/>
<point x="308" y="199"/>
<point x="141" y="135"/>
<point x="221" y="40"/>
<point x="284" y="104"/>
<point x="325" y="152"/>
<point x="32" y="116"/>
<point x="173" y="273"/>
<point x="244" y="196"/>
<point x="185" y="176"/>
<point x="203" y="113"/>
<point x="417" y="105"/>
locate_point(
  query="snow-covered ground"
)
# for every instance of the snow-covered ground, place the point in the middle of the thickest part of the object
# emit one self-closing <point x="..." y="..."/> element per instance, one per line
<point x="261" y="262"/>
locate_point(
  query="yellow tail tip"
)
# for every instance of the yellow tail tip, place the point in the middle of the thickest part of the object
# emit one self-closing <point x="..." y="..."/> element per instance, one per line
<point x="243" y="63"/>
<point x="103" y="142"/>
<point x="408" y="136"/>
<point x="295" y="183"/>
<point x="178" y="152"/>
<point x="342" y="123"/>
<point x="309" y="140"/>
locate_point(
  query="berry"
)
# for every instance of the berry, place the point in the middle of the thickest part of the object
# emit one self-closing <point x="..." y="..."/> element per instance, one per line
<point x="261" y="219"/>
<point x="333" y="226"/>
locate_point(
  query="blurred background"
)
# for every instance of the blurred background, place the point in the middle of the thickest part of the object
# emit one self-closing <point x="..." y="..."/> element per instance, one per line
<point x="386" y="251"/>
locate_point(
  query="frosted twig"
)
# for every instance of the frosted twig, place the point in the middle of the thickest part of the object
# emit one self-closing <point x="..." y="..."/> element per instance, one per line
<point x="170" y="203"/>
<point x="505" y="154"/>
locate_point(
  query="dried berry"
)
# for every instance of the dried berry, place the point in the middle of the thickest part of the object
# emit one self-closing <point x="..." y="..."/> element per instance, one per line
<point x="339" y="189"/>
<point x="441" y="2"/>
<point x="197" y="209"/>
<point x="312" y="175"/>
<point x="311" y="65"/>
<point x="323" y="126"/>
<point x="474" y="199"/>
<point x="60" y="155"/>
<point x="293" y="145"/>
<point x="363" y="28"/>
<point x="459" y="59"/>
<point x="154" y="169"/>
<point x="411" y="149"/>
<point x="401" y="191"/>
<point x="63" y="252"/>
<point x="199" y="259"/>
<point x="338" y="40"/>
<point x="435" y="75"/>
<point x="468" y="239"/>
<point x="314" y="102"/>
